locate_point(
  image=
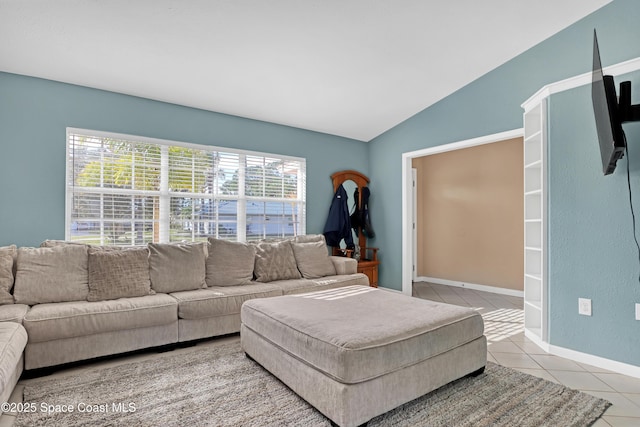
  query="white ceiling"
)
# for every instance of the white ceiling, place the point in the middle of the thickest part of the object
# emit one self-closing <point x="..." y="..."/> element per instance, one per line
<point x="353" y="68"/>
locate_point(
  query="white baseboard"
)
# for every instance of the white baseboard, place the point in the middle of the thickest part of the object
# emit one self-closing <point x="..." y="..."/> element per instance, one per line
<point x="589" y="359"/>
<point x="474" y="286"/>
<point x="389" y="289"/>
<point x="537" y="340"/>
<point x="600" y="362"/>
<point x="577" y="356"/>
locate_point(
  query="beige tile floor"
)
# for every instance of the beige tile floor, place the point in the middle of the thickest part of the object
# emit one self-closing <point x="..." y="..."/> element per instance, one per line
<point x="507" y="345"/>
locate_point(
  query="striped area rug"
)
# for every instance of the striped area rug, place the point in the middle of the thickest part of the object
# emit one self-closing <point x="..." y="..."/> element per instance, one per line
<point x="216" y="385"/>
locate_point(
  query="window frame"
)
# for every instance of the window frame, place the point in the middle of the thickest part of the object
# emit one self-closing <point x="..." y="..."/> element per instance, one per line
<point x="165" y="195"/>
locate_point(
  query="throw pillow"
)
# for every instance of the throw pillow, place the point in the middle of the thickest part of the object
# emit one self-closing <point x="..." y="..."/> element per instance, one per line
<point x="229" y="263"/>
<point x="275" y="261"/>
<point x="46" y="275"/>
<point x="177" y="267"/>
<point x="313" y="260"/>
<point x="117" y="274"/>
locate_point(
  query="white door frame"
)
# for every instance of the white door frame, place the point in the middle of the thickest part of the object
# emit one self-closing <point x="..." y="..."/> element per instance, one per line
<point x="407" y="193"/>
<point x="414" y="223"/>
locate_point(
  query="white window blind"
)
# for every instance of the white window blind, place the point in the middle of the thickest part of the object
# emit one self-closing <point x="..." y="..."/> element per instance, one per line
<point x="126" y="190"/>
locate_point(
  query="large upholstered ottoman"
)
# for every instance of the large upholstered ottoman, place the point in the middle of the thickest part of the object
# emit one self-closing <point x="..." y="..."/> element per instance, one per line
<point x="358" y="352"/>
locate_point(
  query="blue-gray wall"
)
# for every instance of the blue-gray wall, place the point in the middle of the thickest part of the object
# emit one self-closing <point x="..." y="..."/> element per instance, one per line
<point x="592" y="253"/>
<point x="35" y="113"/>
<point x="491" y="104"/>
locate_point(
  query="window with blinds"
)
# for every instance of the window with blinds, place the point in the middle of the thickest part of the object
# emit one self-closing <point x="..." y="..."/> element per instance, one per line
<point x="127" y="190"/>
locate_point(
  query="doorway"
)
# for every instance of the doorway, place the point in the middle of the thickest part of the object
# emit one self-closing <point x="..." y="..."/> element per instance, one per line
<point x="409" y="224"/>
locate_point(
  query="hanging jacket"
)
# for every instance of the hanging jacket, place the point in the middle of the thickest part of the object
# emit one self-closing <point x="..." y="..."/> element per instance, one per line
<point x="360" y="216"/>
<point x="356" y="215"/>
<point x="338" y="225"/>
<point x="365" y="219"/>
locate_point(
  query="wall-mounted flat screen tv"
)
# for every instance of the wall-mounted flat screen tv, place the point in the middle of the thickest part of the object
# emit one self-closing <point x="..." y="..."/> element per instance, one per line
<point x="605" y="108"/>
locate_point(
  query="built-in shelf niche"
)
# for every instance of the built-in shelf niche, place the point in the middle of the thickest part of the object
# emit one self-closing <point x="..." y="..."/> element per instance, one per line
<point x="535" y="322"/>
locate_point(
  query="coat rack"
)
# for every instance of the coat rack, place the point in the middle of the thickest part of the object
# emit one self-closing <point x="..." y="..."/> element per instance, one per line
<point x="368" y="262"/>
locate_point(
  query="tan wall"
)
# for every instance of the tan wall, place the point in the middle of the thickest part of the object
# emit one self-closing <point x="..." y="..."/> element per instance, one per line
<point x="470" y="215"/>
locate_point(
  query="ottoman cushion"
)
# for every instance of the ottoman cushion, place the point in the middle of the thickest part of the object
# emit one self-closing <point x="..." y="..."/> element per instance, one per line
<point x="358" y="333"/>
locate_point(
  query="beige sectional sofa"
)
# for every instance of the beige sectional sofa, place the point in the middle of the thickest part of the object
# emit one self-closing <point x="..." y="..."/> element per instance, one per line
<point x="65" y="302"/>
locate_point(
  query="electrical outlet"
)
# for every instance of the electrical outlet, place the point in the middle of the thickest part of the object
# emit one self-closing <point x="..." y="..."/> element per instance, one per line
<point x="637" y="311"/>
<point x="584" y="306"/>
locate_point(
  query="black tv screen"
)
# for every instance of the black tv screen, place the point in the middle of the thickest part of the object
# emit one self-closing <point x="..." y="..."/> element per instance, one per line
<point x="605" y="110"/>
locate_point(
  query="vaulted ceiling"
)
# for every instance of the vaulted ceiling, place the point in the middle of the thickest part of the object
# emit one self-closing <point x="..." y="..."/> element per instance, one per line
<point x="353" y="68"/>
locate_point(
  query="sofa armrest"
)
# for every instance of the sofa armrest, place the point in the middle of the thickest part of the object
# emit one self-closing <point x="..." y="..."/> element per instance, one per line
<point x="13" y="312"/>
<point x="344" y="265"/>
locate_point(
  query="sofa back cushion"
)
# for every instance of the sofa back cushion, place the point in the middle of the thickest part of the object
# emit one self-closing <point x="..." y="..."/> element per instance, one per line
<point x="46" y="275"/>
<point x="118" y="273"/>
<point x="229" y="263"/>
<point x="275" y="261"/>
<point x="53" y="243"/>
<point x="6" y="279"/>
<point x="11" y="251"/>
<point x="8" y="255"/>
<point x="308" y="238"/>
<point x="175" y="267"/>
<point x="313" y="259"/>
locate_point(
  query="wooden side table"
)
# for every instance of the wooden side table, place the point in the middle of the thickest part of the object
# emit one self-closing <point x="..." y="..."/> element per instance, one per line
<point x="370" y="268"/>
<point x="368" y="264"/>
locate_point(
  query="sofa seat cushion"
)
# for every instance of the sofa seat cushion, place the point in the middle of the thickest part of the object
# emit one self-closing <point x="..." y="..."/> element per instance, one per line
<point x="47" y="322"/>
<point x="221" y="300"/>
<point x="330" y="282"/>
<point x="13" y="312"/>
<point x="294" y="286"/>
<point x="358" y="333"/>
<point x="13" y="340"/>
